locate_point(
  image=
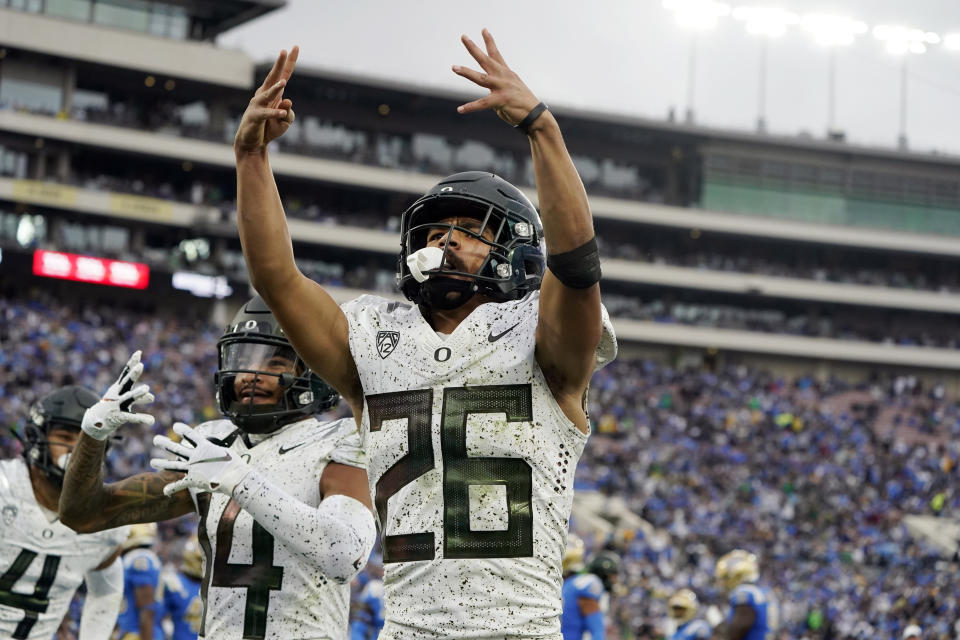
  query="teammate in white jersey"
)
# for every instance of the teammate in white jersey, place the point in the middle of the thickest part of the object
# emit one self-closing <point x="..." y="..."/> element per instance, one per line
<point x="472" y="401"/>
<point x="285" y="516"/>
<point x="42" y="562"/>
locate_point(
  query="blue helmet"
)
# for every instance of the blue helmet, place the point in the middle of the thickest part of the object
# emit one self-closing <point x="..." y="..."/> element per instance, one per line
<point x="515" y="264"/>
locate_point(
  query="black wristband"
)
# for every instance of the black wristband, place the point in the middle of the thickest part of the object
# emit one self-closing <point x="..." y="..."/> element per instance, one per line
<point x="536" y="112"/>
<point x="578" y="268"/>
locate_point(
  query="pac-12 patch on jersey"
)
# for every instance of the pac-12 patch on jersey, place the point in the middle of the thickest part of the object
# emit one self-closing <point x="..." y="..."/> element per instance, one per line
<point x="471" y="464"/>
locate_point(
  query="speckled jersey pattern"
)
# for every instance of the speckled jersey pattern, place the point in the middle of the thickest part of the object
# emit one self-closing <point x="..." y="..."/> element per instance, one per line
<point x="253" y="585"/>
<point x="471" y="465"/>
<point x="42" y="562"/>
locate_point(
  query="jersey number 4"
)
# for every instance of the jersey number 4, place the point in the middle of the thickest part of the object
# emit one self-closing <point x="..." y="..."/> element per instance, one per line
<point x="259" y="577"/>
<point x="459" y="471"/>
<point x="37" y="602"/>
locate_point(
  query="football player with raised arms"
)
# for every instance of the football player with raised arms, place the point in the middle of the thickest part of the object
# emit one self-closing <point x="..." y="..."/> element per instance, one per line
<point x="471" y="401"/>
<point x="285" y="515"/>
<point x="42" y="562"/>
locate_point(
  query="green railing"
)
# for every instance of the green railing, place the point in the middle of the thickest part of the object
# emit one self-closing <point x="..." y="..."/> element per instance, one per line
<point x="829" y="209"/>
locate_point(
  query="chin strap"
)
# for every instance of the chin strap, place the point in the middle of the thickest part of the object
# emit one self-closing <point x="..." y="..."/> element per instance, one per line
<point x="436" y="292"/>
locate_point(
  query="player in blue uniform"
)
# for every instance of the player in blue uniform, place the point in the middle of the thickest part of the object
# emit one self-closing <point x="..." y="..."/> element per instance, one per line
<point x="584" y="593"/>
<point x="141" y="576"/>
<point x="368" y="617"/>
<point x="180" y="594"/>
<point x="754" y="612"/>
<point x="683" y="610"/>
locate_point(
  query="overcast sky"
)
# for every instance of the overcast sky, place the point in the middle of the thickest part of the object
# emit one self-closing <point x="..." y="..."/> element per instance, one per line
<point x="629" y="57"/>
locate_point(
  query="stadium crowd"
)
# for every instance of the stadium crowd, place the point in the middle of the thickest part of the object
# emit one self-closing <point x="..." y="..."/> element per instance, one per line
<point x="814" y="476"/>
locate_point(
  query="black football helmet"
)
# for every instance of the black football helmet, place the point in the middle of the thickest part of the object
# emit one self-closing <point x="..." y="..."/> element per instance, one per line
<point x="59" y="409"/>
<point x="252" y="340"/>
<point x="606" y="566"/>
<point x="515" y="264"/>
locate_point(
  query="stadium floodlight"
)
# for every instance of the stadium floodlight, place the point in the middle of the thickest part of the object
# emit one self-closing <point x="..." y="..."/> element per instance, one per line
<point x="900" y="40"/>
<point x="952" y="41"/>
<point x="766" y="21"/>
<point x="697" y="14"/>
<point x="832" y="30"/>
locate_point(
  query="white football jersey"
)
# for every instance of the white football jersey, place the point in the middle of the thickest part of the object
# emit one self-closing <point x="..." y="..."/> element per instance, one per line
<point x="42" y="561"/>
<point x="253" y="586"/>
<point x="471" y="465"/>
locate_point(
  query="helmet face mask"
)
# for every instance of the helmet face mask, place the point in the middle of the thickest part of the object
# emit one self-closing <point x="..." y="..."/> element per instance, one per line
<point x="59" y="410"/>
<point x="736" y="567"/>
<point x="262" y="384"/>
<point x="508" y="224"/>
<point x="683" y="606"/>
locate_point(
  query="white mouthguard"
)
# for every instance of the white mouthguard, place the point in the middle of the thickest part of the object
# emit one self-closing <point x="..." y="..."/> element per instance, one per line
<point x="425" y="259"/>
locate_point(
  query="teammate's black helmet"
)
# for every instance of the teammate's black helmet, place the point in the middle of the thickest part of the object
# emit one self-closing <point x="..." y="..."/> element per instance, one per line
<point x="252" y="340"/>
<point x="60" y="409"/>
<point x="515" y="264"/>
<point x="605" y="565"/>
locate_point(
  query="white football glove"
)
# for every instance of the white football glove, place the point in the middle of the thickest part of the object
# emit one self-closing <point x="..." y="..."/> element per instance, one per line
<point x="113" y="410"/>
<point x="209" y="467"/>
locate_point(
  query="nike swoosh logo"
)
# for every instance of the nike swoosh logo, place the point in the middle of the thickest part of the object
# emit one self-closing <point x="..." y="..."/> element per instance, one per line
<point x="494" y="338"/>
<point x="282" y="450"/>
<point x="224" y="458"/>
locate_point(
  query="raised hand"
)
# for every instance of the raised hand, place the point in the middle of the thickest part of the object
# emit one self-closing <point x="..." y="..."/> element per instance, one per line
<point x="208" y="466"/>
<point x="269" y="114"/>
<point x="509" y="97"/>
<point x="113" y="410"/>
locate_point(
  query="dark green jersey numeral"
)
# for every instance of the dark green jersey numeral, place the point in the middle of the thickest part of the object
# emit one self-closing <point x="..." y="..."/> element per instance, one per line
<point x="260" y="577"/>
<point x="459" y="471"/>
<point x="37" y="602"/>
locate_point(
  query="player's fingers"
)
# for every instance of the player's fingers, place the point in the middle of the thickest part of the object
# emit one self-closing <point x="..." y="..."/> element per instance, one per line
<point x="138" y="418"/>
<point x="476" y="105"/>
<point x="482" y="58"/>
<point x="269" y="95"/>
<point x="164" y="464"/>
<point x="290" y="63"/>
<point x="473" y="75"/>
<point x="268" y="113"/>
<point x="168" y="445"/>
<point x="182" y="429"/>
<point x="275" y="72"/>
<point x="175" y="487"/>
<point x="492" y="49"/>
<point x="286" y="103"/>
<point x="132" y="395"/>
<point x="146" y="398"/>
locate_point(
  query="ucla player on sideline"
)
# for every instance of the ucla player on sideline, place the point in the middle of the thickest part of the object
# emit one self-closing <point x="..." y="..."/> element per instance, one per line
<point x="285" y="518"/>
<point x="471" y="401"/>
<point x="754" y="613"/>
<point x="179" y="597"/>
<point x="42" y="562"/>
<point x="582" y="595"/>
<point x="138" y="618"/>
<point x="683" y="608"/>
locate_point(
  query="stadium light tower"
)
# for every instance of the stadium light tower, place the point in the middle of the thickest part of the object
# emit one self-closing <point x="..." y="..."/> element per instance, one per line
<point x="768" y="23"/>
<point x="904" y="41"/>
<point x="833" y="32"/>
<point x="697" y="16"/>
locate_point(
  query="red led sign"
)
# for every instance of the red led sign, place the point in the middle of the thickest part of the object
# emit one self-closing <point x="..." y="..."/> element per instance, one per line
<point x="70" y="266"/>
